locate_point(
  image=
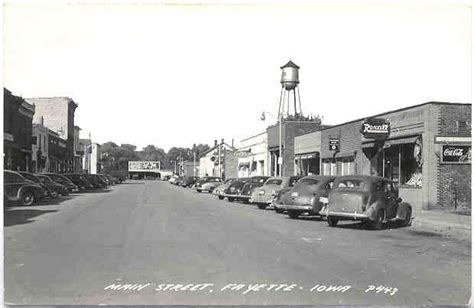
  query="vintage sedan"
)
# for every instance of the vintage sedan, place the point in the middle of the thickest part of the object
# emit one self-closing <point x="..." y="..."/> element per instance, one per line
<point x="58" y="178"/>
<point x="264" y="195"/>
<point x="248" y="188"/>
<point x="31" y="177"/>
<point x="219" y="190"/>
<point x="17" y="189"/>
<point x="189" y="181"/>
<point x="235" y="188"/>
<point x="372" y="200"/>
<point x="307" y="195"/>
<point x="208" y="185"/>
<point x="55" y="188"/>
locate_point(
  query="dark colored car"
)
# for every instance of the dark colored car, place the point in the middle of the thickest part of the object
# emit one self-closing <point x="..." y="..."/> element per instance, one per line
<point x="111" y="180"/>
<point x="220" y="189"/>
<point x="31" y="177"/>
<point x="17" y="189"/>
<point x="235" y="188"/>
<point x="370" y="199"/>
<point x="96" y="181"/>
<point x="179" y="181"/>
<point x="55" y="188"/>
<point x="79" y="180"/>
<point x="248" y="188"/>
<point x="189" y="181"/>
<point x="61" y="179"/>
<point x="204" y="184"/>
<point x="264" y="195"/>
<point x="308" y="195"/>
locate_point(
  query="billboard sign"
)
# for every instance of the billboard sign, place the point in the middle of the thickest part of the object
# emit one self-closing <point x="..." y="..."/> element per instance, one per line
<point x="143" y="166"/>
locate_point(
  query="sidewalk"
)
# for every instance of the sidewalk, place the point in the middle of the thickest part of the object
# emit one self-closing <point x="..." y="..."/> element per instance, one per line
<point x="449" y="224"/>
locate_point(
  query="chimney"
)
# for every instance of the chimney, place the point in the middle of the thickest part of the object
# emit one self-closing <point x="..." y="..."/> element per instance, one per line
<point x="232" y="142"/>
<point x="222" y="140"/>
<point x="215" y="143"/>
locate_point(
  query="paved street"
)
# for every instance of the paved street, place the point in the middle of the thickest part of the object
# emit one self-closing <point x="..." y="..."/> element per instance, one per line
<point x="151" y="233"/>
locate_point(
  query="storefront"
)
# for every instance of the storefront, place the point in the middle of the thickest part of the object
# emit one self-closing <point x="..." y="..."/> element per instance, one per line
<point x="425" y="150"/>
<point x="307" y="154"/>
<point x="253" y="156"/>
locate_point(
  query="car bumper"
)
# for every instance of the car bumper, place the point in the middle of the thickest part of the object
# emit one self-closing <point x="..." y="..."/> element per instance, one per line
<point x="302" y="208"/>
<point x="354" y="216"/>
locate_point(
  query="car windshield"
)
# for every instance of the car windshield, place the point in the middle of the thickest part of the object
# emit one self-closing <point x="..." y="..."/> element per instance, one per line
<point x="351" y="183"/>
<point x="31" y="177"/>
<point x="273" y="182"/>
<point x="307" y="182"/>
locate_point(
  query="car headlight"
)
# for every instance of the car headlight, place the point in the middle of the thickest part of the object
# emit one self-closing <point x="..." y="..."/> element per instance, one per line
<point x="294" y="194"/>
<point x="261" y="192"/>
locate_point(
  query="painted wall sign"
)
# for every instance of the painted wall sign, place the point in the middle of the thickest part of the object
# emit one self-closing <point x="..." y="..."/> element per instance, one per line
<point x="375" y="128"/>
<point x="460" y="154"/>
<point x="334" y="144"/>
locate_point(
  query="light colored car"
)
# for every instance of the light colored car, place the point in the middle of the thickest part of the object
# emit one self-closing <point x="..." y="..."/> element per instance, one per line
<point x="173" y="179"/>
<point x="264" y="195"/>
<point x="209" y="186"/>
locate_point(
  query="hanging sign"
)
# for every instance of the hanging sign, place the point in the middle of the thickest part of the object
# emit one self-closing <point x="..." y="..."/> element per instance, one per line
<point x="334" y="144"/>
<point x="460" y="154"/>
<point x="375" y="128"/>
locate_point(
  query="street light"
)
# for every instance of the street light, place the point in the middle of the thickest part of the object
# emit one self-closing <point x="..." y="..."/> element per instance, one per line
<point x="280" y="157"/>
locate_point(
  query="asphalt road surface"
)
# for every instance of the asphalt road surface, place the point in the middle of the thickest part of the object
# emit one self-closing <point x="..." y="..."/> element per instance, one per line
<point x="135" y="243"/>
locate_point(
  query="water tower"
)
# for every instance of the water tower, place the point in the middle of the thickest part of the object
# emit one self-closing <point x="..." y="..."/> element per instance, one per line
<point x="289" y="83"/>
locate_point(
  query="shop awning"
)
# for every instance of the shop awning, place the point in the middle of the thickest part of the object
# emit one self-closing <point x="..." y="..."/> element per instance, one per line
<point x="338" y="155"/>
<point x="368" y="145"/>
<point x="391" y="142"/>
<point x="306" y="156"/>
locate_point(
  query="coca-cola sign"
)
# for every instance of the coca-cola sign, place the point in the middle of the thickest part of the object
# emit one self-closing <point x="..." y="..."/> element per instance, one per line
<point x="375" y="128"/>
<point x="457" y="154"/>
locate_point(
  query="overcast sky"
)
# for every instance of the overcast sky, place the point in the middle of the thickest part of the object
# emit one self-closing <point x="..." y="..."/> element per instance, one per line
<point x="174" y="75"/>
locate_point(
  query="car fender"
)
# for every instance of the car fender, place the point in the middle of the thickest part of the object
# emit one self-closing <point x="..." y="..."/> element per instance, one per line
<point x="34" y="189"/>
<point x="402" y="210"/>
<point x="374" y="208"/>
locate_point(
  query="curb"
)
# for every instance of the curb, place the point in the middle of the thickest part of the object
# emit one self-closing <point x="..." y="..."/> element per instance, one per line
<point x="460" y="231"/>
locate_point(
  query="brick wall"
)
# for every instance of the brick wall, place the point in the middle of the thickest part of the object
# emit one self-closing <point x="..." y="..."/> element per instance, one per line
<point x="453" y="180"/>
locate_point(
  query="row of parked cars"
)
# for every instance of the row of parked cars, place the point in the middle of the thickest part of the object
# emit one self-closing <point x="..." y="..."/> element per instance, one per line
<point x="370" y="199"/>
<point x="25" y="188"/>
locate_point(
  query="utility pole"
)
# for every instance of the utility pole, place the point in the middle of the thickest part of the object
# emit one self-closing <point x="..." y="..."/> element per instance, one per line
<point x="194" y="163"/>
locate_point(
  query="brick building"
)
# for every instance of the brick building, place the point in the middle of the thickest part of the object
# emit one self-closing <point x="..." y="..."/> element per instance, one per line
<point x="58" y="114"/>
<point x="289" y="130"/>
<point x="425" y="149"/>
<point x="17" y="132"/>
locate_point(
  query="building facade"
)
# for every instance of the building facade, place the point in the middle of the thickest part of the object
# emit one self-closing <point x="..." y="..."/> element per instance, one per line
<point x="253" y="158"/>
<point x="289" y="130"/>
<point x="307" y="154"/>
<point x="58" y="116"/>
<point x="424" y="149"/>
<point x="213" y="162"/>
<point x="17" y="132"/>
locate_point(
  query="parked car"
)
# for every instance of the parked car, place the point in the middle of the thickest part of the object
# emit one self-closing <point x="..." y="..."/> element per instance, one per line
<point x="121" y="175"/>
<point x="61" y="179"/>
<point x="17" y="189"/>
<point x="247" y="189"/>
<point x="234" y="189"/>
<point x="308" y="195"/>
<point x="107" y="178"/>
<point x="189" y="181"/>
<point x="219" y="190"/>
<point x="179" y="181"/>
<point x="207" y="183"/>
<point x="31" y="177"/>
<point x="55" y="188"/>
<point x="263" y="196"/>
<point x="79" y="180"/>
<point x="173" y="179"/>
<point x="372" y="200"/>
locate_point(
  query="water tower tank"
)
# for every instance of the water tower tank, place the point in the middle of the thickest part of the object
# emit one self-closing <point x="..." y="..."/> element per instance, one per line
<point x="289" y="75"/>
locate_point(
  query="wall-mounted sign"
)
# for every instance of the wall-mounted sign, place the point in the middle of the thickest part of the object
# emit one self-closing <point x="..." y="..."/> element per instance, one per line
<point x="375" y="128"/>
<point x="143" y="166"/>
<point x="334" y="144"/>
<point x="460" y="154"/>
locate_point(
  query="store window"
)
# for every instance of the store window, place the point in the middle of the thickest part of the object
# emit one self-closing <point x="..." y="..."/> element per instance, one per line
<point x="402" y="164"/>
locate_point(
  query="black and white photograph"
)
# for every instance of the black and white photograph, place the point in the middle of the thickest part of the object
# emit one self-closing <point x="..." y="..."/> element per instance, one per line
<point x="258" y="153"/>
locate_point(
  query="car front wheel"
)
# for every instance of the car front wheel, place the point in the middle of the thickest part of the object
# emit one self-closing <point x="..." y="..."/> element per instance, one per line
<point x="220" y="197"/>
<point x="407" y="220"/>
<point x="27" y="198"/>
<point x="54" y="194"/>
<point x="230" y="199"/>
<point x="332" y="222"/>
<point x="262" y="206"/>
